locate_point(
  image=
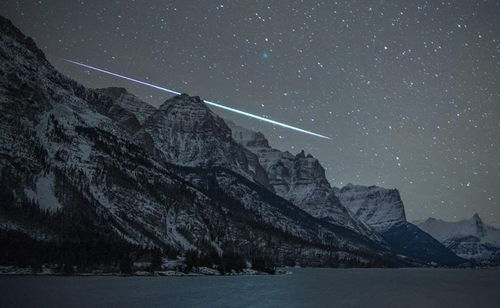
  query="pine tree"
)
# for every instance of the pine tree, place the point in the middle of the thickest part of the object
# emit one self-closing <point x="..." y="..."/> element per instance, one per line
<point x="126" y="265"/>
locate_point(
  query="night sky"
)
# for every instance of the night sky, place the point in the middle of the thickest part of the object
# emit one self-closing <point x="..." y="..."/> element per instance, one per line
<point x="408" y="90"/>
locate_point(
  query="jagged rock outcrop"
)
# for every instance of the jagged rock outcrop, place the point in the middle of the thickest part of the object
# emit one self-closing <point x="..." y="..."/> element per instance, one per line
<point x="129" y="102"/>
<point x="469" y="238"/>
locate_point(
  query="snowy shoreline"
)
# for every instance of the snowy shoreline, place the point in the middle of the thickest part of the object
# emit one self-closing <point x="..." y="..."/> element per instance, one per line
<point x="201" y="272"/>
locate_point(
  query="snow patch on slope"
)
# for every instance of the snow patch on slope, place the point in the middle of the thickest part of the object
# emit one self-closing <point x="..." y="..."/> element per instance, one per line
<point x="44" y="193"/>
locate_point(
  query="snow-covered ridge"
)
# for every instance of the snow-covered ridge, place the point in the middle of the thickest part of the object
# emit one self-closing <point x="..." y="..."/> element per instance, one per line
<point x="474" y="226"/>
<point x="382" y="209"/>
<point x="378" y="207"/>
<point x="375" y="212"/>
<point x="300" y="179"/>
<point x="469" y="238"/>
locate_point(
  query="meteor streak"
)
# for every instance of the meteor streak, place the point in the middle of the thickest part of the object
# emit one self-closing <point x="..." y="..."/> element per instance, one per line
<point x="205" y="101"/>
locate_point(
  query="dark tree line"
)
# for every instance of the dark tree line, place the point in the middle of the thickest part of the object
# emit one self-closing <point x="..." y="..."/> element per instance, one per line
<point x="68" y="238"/>
<point x="19" y="249"/>
<point x="228" y="262"/>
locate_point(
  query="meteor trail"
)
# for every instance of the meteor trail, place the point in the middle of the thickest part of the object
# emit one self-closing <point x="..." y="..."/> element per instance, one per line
<point x="205" y="101"/>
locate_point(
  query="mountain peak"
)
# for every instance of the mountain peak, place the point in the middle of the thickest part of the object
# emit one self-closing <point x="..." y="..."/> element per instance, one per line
<point x="8" y="28"/>
<point x="378" y="207"/>
<point x="247" y="137"/>
<point x="300" y="179"/>
<point x="188" y="133"/>
<point x="476" y="217"/>
<point x="184" y="100"/>
<point x="301" y="154"/>
<point x="468" y="238"/>
<point x="128" y="101"/>
<point x="114" y="92"/>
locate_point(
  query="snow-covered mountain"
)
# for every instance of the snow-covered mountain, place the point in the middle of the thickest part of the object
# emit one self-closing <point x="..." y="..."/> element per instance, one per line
<point x="78" y="164"/>
<point x="375" y="212"/>
<point x="186" y="132"/>
<point x="383" y="210"/>
<point x="300" y="179"/>
<point x="378" y="207"/>
<point x="468" y="238"/>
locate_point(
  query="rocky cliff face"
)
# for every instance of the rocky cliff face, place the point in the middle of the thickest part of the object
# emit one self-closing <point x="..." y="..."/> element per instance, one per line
<point x="300" y="179"/>
<point x="375" y="212"/>
<point x="382" y="209"/>
<point x="378" y="207"/>
<point x="90" y="164"/>
<point x="123" y="100"/>
<point x="469" y="238"/>
<point x="188" y="133"/>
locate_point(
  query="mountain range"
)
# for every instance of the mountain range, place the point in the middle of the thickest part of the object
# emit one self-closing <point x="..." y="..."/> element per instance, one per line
<point x="83" y="170"/>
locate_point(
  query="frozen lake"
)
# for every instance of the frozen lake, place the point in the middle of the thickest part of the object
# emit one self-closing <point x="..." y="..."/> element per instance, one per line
<point x="303" y="288"/>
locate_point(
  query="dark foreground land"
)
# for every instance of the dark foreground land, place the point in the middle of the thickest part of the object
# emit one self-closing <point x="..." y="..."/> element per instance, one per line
<point x="303" y="288"/>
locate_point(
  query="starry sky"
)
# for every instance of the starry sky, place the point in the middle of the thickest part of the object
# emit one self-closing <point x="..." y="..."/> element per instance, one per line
<point x="408" y="90"/>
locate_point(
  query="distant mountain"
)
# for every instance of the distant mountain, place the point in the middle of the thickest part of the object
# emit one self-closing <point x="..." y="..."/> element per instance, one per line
<point x="383" y="210"/>
<point x="469" y="238"/>
<point x="84" y="172"/>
